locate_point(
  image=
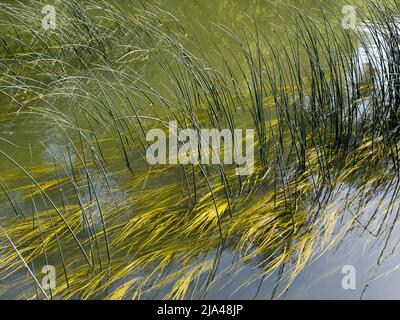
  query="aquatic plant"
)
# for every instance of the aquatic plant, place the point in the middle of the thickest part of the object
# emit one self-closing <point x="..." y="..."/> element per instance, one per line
<point x="116" y="227"/>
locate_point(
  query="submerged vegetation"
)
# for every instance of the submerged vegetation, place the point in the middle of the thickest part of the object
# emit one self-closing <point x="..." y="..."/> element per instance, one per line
<point x="324" y="102"/>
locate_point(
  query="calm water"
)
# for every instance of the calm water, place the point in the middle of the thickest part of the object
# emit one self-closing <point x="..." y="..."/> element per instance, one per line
<point x="322" y="278"/>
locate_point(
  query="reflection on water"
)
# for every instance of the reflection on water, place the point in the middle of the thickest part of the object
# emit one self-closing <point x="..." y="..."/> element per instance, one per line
<point x="371" y="249"/>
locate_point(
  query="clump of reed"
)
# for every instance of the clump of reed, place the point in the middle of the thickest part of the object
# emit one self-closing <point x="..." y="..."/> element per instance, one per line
<point x="116" y="227"/>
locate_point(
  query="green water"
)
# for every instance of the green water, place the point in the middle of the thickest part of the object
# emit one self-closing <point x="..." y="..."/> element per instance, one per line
<point x="34" y="141"/>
